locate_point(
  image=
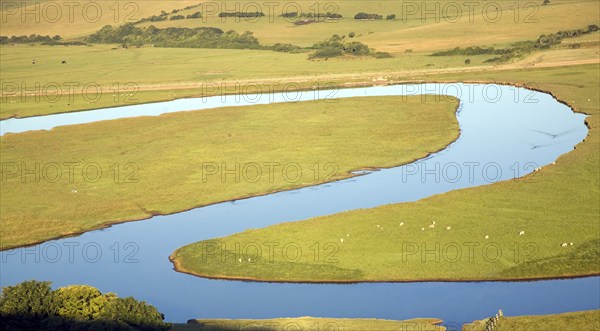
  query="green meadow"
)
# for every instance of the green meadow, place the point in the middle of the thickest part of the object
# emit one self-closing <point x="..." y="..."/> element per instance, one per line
<point x="184" y="159"/>
<point x="388" y="243"/>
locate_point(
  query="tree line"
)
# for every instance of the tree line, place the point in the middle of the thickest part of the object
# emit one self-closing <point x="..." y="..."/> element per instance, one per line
<point x="33" y="305"/>
<point x="201" y="37"/>
<point x="521" y="48"/>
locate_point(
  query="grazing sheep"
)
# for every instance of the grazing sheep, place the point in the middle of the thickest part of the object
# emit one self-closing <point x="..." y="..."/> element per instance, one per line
<point x="521" y="233"/>
<point x="73" y="191"/>
<point x="249" y="259"/>
<point x="570" y="244"/>
<point x="377" y="225"/>
<point x="487" y="237"/>
<point x="422" y="229"/>
<point x="564" y="245"/>
<point x="341" y="240"/>
<point x="347" y="235"/>
<point x="432" y="226"/>
<point x="401" y="224"/>
<point x="240" y="260"/>
<point x="448" y="227"/>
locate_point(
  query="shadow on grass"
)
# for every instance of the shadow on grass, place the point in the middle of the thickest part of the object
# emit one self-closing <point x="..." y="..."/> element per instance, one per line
<point x="59" y="323"/>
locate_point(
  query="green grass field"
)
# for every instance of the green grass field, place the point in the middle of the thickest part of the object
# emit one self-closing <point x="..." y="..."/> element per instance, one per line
<point x="561" y="206"/>
<point x="311" y="323"/>
<point x="575" y="321"/>
<point x="182" y="159"/>
<point x="170" y="73"/>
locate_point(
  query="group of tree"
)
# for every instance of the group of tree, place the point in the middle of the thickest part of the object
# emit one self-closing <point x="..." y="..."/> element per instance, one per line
<point x="33" y="305"/>
<point x="34" y="38"/>
<point x="163" y="16"/>
<point x="311" y="15"/>
<point x="241" y="14"/>
<point x="201" y="37"/>
<point x="338" y="46"/>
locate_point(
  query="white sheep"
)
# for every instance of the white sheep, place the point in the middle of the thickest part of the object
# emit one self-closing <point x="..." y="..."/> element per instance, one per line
<point x="422" y="229"/>
<point x="487" y="237"/>
<point x="448" y="227"/>
<point x="521" y="233"/>
<point x="342" y="240"/>
<point x="564" y="245"/>
<point x="401" y="224"/>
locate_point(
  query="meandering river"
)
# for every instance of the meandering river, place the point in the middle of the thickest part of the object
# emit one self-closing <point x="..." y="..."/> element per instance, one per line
<point x="506" y="132"/>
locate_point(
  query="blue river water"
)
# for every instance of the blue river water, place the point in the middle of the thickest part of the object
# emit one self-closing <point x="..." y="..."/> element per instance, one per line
<point x="506" y="133"/>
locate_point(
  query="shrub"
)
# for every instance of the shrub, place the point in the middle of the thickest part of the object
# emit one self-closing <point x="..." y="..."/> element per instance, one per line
<point x="194" y="15"/>
<point x="366" y="16"/>
<point x="351" y="34"/>
<point x="29" y="298"/>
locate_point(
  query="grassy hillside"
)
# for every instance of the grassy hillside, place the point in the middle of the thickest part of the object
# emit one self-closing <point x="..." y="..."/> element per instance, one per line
<point x="446" y="29"/>
<point x="562" y="206"/>
<point x="55" y="17"/>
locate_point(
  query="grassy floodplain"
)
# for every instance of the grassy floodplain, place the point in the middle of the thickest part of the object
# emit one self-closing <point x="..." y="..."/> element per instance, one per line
<point x="181" y="158"/>
<point x="311" y="323"/>
<point x="561" y="206"/>
<point x="575" y="321"/>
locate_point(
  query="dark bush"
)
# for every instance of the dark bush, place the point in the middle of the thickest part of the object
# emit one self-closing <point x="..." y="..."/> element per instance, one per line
<point x="32" y="305"/>
<point x="365" y="16"/>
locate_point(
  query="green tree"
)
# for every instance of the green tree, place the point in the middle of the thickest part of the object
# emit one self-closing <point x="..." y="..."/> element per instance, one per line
<point x="134" y="313"/>
<point x="29" y="298"/>
<point x="80" y="302"/>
